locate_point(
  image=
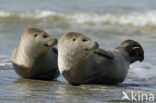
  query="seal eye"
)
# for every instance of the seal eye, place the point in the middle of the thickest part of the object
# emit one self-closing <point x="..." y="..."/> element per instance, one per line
<point x="35" y="35"/>
<point x="74" y="39"/>
<point x="84" y="40"/>
<point x="45" y="36"/>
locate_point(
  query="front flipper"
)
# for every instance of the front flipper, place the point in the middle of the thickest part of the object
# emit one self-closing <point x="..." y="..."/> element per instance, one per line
<point x="104" y="53"/>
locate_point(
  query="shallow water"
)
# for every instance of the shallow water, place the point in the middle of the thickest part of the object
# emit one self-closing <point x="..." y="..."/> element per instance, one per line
<point x="109" y="22"/>
<point x="17" y="90"/>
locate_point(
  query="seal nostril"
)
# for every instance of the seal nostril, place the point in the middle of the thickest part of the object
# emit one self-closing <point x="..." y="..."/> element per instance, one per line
<point x="55" y="40"/>
<point x="97" y="45"/>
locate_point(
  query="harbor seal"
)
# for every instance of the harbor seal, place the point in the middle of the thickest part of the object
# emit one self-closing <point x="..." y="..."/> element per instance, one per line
<point x="35" y="57"/>
<point x="81" y="61"/>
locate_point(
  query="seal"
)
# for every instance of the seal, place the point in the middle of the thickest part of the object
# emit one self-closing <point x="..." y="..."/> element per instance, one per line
<point x="81" y="61"/>
<point x="36" y="57"/>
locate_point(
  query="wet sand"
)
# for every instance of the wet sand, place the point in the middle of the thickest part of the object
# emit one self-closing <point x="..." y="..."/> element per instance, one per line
<point x="14" y="89"/>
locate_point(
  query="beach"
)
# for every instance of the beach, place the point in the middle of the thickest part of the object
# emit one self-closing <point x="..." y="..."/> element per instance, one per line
<point x="107" y="22"/>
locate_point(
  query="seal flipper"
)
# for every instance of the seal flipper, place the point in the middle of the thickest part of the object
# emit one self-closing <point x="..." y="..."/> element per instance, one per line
<point x="104" y="53"/>
<point x="133" y="49"/>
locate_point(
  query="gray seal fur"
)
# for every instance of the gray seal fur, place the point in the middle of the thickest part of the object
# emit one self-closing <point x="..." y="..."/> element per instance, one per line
<point x="82" y="62"/>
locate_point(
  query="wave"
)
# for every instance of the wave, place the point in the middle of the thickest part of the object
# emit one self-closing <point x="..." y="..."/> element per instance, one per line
<point x="5" y="63"/>
<point x="143" y="71"/>
<point x="139" y="19"/>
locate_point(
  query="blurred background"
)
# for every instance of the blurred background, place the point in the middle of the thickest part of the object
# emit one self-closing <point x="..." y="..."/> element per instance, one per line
<point x="109" y="22"/>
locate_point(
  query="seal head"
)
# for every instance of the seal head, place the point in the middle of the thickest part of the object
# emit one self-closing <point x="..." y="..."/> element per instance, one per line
<point x="74" y="45"/>
<point x="41" y="39"/>
<point x="35" y="51"/>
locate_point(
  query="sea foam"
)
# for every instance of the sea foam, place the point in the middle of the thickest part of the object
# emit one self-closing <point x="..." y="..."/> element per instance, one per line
<point x="144" y="18"/>
<point x="142" y="71"/>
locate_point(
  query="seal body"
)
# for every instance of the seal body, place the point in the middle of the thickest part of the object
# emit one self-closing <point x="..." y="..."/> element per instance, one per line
<point x="82" y="62"/>
<point x="99" y="70"/>
<point x="35" y="57"/>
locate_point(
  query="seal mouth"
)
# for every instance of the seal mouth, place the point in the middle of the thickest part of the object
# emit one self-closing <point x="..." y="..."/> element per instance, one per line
<point x="47" y="45"/>
<point x="54" y="42"/>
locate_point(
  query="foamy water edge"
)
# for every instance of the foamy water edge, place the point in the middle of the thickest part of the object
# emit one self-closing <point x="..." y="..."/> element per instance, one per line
<point x="140" y="19"/>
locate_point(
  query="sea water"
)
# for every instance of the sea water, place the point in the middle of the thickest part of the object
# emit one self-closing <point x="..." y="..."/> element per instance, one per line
<point x="109" y="22"/>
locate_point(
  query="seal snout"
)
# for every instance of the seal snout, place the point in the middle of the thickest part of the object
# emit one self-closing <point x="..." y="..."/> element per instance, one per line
<point x="51" y="43"/>
<point x="55" y="41"/>
<point x="96" y="45"/>
<point x="93" y="46"/>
